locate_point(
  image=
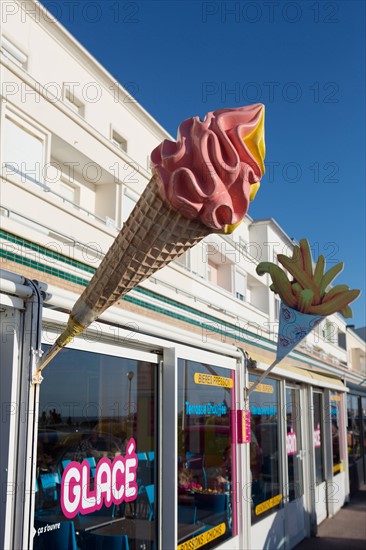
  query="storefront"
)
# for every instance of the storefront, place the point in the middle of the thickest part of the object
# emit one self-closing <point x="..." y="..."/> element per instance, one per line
<point x="356" y="435"/>
<point x="136" y="443"/>
<point x="297" y="456"/>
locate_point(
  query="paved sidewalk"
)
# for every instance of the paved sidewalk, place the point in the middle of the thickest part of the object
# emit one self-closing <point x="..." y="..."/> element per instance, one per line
<point x="346" y="530"/>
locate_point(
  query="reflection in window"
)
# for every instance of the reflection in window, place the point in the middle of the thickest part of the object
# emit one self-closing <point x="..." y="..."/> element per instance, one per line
<point x="206" y="461"/>
<point x="264" y="448"/>
<point x="294" y="443"/>
<point x="353" y="428"/>
<point x="92" y="406"/>
<point x="318" y="437"/>
<point x="335" y="408"/>
<point x="363" y="410"/>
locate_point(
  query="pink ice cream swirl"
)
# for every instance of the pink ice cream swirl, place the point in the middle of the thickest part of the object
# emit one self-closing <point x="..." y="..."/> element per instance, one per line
<point x="208" y="172"/>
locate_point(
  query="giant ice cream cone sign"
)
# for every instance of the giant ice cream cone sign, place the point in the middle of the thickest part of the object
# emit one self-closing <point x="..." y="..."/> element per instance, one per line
<point x="306" y="299"/>
<point x="202" y="183"/>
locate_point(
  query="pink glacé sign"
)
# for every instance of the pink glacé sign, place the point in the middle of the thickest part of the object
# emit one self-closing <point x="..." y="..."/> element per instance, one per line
<point x="291" y="442"/>
<point x="243" y="424"/>
<point x="114" y="482"/>
<point x="317" y="439"/>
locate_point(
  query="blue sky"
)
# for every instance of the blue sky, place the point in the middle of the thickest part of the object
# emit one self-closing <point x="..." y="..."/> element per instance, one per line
<point x="305" y="60"/>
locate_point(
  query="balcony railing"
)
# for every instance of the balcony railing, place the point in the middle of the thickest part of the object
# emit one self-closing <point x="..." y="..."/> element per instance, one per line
<point x="48" y="189"/>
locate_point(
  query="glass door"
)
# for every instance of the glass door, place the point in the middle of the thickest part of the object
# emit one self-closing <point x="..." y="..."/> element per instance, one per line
<point x="294" y="506"/>
<point x="319" y="459"/>
<point x="206" y="454"/>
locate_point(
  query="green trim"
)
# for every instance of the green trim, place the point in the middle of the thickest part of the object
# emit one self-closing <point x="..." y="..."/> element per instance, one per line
<point x="41" y="267"/>
<point x="45" y="251"/>
<point x="190" y="309"/>
<point x="219" y="327"/>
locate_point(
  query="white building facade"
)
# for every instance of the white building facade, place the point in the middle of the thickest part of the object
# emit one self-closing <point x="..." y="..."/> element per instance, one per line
<point x="165" y="369"/>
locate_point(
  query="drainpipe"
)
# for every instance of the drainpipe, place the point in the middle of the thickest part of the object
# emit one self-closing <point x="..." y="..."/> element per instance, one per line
<point x="23" y="437"/>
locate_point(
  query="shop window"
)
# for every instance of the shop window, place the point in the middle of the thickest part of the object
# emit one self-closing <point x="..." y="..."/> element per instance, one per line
<point x="206" y="455"/>
<point x="294" y="444"/>
<point x="353" y="428"/>
<point x="318" y="437"/>
<point x="96" y="454"/>
<point x="335" y="408"/>
<point x="266" y="490"/>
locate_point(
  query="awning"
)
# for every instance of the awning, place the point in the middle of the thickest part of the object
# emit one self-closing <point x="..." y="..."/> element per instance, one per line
<point x="314" y="378"/>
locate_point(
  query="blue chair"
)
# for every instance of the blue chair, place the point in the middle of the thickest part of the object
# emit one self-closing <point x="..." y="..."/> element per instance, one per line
<point x="49" y="483"/>
<point x="144" y="471"/>
<point x="93" y="465"/>
<point x="196" y="461"/>
<point x="145" y="503"/>
<point x="62" y="537"/>
<point x="96" y="541"/>
<point x="103" y="515"/>
<point x="187" y="514"/>
<point x="212" y="507"/>
<point x="142" y="457"/>
<point x="150" y="493"/>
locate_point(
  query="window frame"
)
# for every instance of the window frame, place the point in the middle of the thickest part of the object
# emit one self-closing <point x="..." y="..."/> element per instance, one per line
<point x="169" y="401"/>
<point x="120" y="142"/>
<point x="29" y="126"/>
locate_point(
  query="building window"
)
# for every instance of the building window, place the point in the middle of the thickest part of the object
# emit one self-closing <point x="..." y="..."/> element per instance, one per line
<point x="257" y="294"/>
<point x="277" y="308"/>
<point x="73" y="102"/>
<point x="341" y="339"/>
<point x="329" y="331"/>
<point x="212" y="272"/>
<point x="264" y="448"/>
<point x="129" y="200"/>
<point x="219" y="268"/>
<point x="69" y="192"/>
<point x="118" y="140"/>
<point x="240" y="285"/>
<point x="206" y="484"/>
<point x="23" y="151"/>
<point x="97" y="418"/>
<point x="184" y="260"/>
<point x="12" y="52"/>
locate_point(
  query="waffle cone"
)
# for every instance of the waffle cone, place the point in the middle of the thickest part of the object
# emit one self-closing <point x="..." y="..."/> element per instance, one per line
<point x="154" y="235"/>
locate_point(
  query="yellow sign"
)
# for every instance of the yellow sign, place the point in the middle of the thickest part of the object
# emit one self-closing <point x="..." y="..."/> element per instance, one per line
<point x="203" y="538"/>
<point x="263" y="388"/>
<point x="211" y="380"/>
<point x="335" y="397"/>
<point x="267" y="505"/>
<point x="338" y="468"/>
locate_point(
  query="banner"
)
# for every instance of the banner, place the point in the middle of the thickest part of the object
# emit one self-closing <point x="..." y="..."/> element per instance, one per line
<point x="294" y="327"/>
